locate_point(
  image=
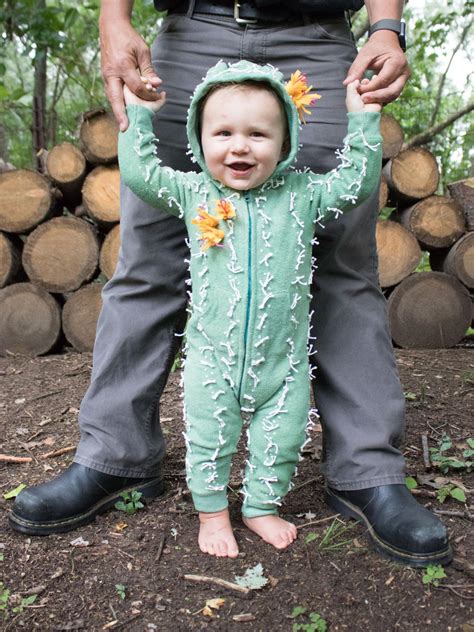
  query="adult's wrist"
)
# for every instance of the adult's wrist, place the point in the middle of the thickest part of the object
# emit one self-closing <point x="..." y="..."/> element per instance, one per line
<point x="386" y="26"/>
<point x="116" y="10"/>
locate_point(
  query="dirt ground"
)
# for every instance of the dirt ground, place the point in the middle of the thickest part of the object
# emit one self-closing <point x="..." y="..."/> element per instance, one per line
<point x="330" y="570"/>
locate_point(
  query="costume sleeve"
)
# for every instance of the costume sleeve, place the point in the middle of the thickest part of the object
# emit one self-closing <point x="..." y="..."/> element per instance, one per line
<point x="142" y="171"/>
<point x="357" y="175"/>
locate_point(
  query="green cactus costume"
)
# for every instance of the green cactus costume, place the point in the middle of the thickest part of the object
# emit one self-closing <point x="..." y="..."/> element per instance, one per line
<point x="247" y="356"/>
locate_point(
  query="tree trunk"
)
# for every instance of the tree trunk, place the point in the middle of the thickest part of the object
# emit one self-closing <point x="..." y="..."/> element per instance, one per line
<point x="109" y="252"/>
<point x="101" y="195"/>
<point x="26" y="199"/>
<point x="30" y="320"/>
<point x="62" y="254"/>
<point x="40" y="140"/>
<point x="66" y="167"/>
<point x="437" y="221"/>
<point x="398" y="252"/>
<point x="80" y="314"/>
<point x="10" y="260"/>
<point x="392" y="135"/>
<point x="99" y="135"/>
<point x="429" y="310"/>
<point x="463" y="192"/>
<point x="412" y="175"/>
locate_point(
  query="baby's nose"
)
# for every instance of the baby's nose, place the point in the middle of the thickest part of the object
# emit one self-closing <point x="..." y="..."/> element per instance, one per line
<point x="240" y="145"/>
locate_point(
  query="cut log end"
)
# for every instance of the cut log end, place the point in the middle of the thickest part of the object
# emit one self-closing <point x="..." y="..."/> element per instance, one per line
<point x="398" y="252"/>
<point x="99" y="134"/>
<point x="80" y="315"/>
<point x="26" y="199"/>
<point x="62" y="254"/>
<point x="392" y="135"/>
<point x="429" y="310"/>
<point x="413" y="174"/>
<point x="30" y="320"/>
<point x="109" y="252"/>
<point x="101" y="195"/>
<point x="10" y="260"/>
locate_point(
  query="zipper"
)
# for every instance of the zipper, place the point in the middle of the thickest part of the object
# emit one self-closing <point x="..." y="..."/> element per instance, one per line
<point x="249" y="287"/>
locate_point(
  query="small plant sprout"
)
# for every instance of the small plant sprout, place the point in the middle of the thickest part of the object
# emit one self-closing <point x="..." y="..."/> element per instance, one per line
<point x="411" y="482"/>
<point x="450" y="491"/>
<point x="433" y="574"/>
<point x="8" y="601"/>
<point x="332" y="539"/>
<point x="447" y="462"/>
<point x="312" y="622"/>
<point x="131" y="502"/>
<point x="120" y="588"/>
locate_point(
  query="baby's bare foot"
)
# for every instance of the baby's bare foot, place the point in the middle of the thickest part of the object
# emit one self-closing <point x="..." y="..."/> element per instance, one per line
<point x="273" y="530"/>
<point x="215" y="534"/>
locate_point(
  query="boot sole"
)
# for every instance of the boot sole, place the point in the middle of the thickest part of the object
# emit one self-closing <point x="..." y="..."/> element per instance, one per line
<point x="151" y="489"/>
<point x="346" y="508"/>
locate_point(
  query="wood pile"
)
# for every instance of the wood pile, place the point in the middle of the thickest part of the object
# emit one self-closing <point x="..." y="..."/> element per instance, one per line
<point x="60" y="237"/>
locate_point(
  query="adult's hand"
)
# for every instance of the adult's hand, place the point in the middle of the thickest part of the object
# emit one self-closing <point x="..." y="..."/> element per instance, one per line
<point x="383" y="55"/>
<point x="124" y="57"/>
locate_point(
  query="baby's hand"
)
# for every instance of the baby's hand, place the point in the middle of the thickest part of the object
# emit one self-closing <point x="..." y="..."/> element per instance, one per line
<point x="354" y="102"/>
<point x="132" y="99"/>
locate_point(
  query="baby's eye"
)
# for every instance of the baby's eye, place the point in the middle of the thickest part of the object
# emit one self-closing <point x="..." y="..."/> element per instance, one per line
<point x="223" y="132"/>
<point x="258" y="134"/>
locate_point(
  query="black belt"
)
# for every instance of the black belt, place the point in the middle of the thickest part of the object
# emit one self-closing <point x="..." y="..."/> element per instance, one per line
<point x="247" y="13"/>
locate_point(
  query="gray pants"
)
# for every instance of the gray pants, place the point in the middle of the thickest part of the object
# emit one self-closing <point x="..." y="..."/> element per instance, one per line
<point x="357" y="389"/>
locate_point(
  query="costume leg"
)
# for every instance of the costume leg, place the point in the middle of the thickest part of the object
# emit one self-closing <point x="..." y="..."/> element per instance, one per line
<point x="213" y="426"/>
<point x="357" y="389"/>
<point x="276" y="433"/>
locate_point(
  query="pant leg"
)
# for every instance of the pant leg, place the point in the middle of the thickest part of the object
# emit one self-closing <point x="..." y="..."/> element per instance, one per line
<point x="275" y="434"/>
<point x="357" y="389"/>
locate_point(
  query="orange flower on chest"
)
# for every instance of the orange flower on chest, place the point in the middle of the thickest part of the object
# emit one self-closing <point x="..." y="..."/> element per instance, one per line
<point x="206" y="223"/>
<point x="225" y="209"/>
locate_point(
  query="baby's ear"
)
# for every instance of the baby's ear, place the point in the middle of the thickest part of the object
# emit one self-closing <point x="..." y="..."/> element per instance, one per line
<point x="285" y="148"/>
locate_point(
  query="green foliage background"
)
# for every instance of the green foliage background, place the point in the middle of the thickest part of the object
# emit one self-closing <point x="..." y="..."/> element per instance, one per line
<point x="68" y="30"/>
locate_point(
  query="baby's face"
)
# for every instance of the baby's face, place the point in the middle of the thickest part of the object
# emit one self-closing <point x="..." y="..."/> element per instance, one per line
<point x="242" y="134"/>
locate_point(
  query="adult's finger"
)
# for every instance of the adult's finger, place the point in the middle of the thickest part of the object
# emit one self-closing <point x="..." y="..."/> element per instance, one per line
<point x="114" y="90"/>
<point x="360" y="64"/>
<point x="385" y="95"/>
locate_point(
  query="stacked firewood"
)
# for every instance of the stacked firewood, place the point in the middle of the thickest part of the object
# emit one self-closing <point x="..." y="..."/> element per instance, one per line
<point x="428" y="309"/>
<point x="59" y="243"/>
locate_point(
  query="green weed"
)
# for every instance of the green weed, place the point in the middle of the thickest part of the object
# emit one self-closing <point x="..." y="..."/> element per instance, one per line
<point x="432" y="574"/>
<point x="446" y="462"/>
<point x="332" y="539"/>
<point x="130" y="503"/>
<point x="120" y="588"/>
<point x="7" y="602"/>
<point x="314" y="621"/>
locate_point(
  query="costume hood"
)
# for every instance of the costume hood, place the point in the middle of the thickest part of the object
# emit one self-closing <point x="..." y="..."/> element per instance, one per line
<point x="237" y="73"/>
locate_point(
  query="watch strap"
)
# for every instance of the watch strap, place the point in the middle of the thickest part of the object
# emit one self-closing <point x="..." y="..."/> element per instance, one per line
<point x="398" y="26"/>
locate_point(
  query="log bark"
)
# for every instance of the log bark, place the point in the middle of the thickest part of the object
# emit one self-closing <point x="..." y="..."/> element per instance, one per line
<point x="66" y="166"/>
<point x="458" y="260"/>
<point x="429" y="310"/>
<point x="109" y="252"/>
<point x="463" y="192"/>
<point x="80" y="314"/>
<point x="62" y="254"/>
<point x="30" y="320"/>
<point x="383" y="194"/>
<point x="26" y="199"/>
<point x="392" y="135"/>
<point x="98" y="134"/>
<point x="10" y="260"/>
<point x="101" y="195"/>
<point x="412" y="175"/>
<point x="437" y="221"/>
<point x="398" y="252"/>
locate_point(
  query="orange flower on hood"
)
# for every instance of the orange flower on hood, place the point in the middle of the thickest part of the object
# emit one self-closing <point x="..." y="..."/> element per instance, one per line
<point x="206" y="223"/>
<point x="225" y="209"/>
<point x="300" y="93"/>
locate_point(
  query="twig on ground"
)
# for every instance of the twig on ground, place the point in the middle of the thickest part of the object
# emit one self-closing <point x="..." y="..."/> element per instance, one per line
<point x="307" y="524"/>
<point x="426" y="452"/>
<point x="69" y="448"/>
<point x="429" y="493"/>
<point x="456" y="514"/>
<point x="308" y="558"/>
<point x="43" y="395"/>
<point x="160" y="549"/>
<point x="311" y="480"/>
<point x="216" y="580"/>
<point x="7" y="458"/>
<point x="453" y="590"/>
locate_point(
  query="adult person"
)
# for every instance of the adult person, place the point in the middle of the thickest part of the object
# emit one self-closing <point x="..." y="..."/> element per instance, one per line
<point x="357" y="388"/>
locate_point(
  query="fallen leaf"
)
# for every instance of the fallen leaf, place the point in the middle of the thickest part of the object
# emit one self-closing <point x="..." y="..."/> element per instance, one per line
<point x="49" y="441"/>
<point x="215" y="603"/>
<point x="244" y="617"/>
<point x="79" y="542"/>
<point x="121" y="525"/>
<point x="253" y="578"/>
<point x="20" y="400"/>
<point x="13" y="493"/>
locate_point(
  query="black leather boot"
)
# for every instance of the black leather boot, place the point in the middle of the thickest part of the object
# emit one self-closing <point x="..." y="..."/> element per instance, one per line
<point x="73" y="499"/>
<point x="398" y="526"/>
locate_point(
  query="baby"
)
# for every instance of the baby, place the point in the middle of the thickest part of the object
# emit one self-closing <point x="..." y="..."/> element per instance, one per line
<point x="250" y="223"/>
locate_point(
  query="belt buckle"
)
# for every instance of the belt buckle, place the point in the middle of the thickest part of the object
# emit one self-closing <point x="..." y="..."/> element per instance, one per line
<point x="237" y="17"/>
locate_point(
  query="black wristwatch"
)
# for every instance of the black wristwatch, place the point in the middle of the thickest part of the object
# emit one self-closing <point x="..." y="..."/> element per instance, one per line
<point x="398" y="26"/>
